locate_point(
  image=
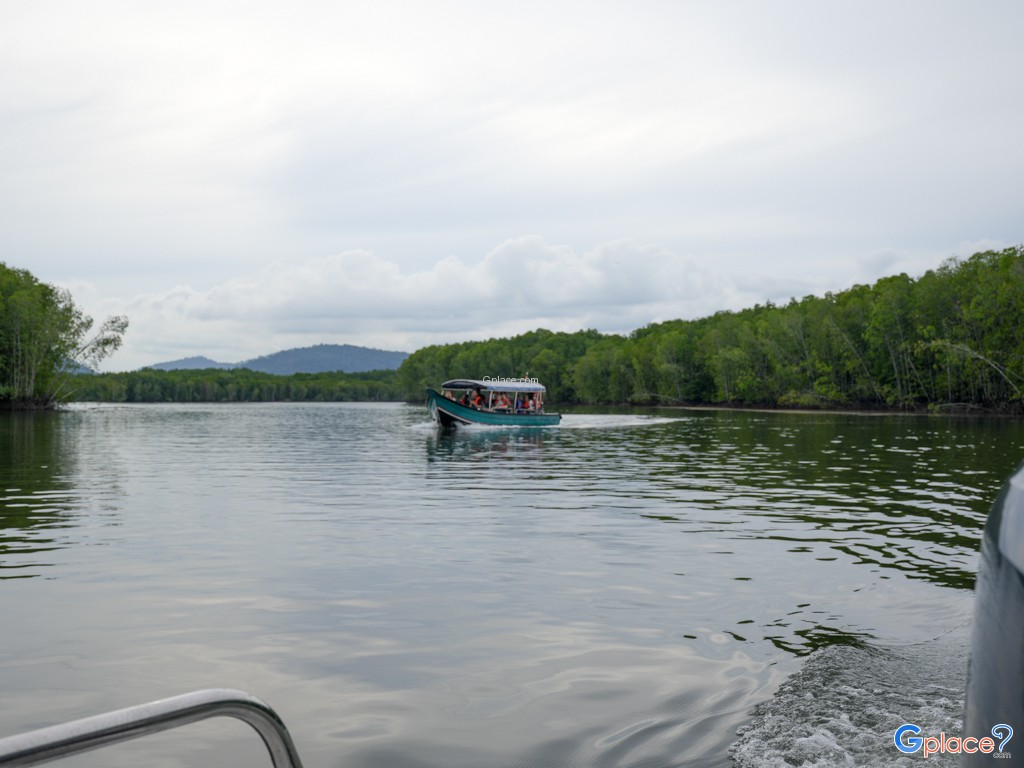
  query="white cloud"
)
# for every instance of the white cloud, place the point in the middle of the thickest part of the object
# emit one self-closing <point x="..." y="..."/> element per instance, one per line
<point x="361" y="298"/>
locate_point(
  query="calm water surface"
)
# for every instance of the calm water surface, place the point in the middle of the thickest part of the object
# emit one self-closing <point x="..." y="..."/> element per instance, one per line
<point x="697" y="588"/>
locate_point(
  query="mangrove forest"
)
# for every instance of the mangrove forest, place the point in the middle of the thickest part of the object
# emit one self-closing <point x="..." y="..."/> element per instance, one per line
<point x="950" y="340"/>
<point x="44" y="340"/>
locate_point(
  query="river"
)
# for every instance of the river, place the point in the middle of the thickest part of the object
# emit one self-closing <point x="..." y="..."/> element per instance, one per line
<point x="644" y="589"/>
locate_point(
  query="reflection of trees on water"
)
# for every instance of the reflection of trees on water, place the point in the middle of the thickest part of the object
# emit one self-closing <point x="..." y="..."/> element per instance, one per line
<point x="877" y="490"/>
<point x="807" y="639"/>
<point x="36" y="497"/>
<point x="908" y="494"/>
<point x="476" y="445"/>
<point x="902" y="496"/>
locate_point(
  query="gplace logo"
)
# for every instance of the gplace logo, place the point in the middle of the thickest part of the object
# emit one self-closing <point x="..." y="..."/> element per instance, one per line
<point x="953" y="745"/>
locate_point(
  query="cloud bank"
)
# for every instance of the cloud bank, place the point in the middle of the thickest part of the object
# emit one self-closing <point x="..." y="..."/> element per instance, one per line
<point x="359" y="297"/>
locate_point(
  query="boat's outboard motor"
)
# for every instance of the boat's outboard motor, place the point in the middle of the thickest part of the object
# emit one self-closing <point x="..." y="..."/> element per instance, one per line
<point x="995" y="678"/>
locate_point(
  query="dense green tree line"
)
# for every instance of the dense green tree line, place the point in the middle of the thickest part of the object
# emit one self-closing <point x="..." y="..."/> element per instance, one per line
<point x="43" y="338"/>
<point x="545" y="355"/>
<point x="951" y="339"/>
<point x="214" y="385"/>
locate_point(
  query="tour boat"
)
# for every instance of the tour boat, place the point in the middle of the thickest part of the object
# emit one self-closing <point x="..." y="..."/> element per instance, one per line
<point x="496" y="402"/>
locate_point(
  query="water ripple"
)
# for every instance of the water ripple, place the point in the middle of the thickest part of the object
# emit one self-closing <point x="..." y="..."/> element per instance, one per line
<point x="619" y="591"/>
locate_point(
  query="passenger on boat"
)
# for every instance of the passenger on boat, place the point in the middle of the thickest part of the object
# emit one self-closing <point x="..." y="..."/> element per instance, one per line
<point x="501" y="402"/>
<point x="477" y="400"/>
<point x="524" y="403"/>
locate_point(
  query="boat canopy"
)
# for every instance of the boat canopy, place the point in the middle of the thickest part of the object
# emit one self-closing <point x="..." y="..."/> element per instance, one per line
<point x="498" y="385"/>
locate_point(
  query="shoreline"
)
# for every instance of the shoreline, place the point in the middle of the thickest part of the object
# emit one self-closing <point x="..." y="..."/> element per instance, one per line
<point x="961" y="413"/>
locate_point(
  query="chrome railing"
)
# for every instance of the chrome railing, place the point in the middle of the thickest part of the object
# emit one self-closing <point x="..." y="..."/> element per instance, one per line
<point x="77" y="736"/>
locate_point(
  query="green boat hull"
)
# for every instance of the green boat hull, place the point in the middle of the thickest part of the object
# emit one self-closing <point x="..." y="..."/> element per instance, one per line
<point x="449" y="413"/>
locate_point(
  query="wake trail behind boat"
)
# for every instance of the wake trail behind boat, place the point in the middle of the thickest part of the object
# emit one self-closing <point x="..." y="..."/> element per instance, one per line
<point x="843" y="707"/>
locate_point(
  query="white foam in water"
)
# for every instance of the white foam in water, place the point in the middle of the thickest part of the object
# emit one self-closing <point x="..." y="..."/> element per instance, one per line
<point x="611" y="420"/>
<point x="844" y="706"/>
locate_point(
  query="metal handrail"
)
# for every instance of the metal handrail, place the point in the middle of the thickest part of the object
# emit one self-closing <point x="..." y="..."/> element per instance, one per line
<point x="78" y="736"/>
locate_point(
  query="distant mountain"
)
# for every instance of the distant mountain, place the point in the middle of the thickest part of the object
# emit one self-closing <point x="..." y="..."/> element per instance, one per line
<point x="326" y="357"/>
<point x="318" y="359"/>
<point x="191" y="363"/>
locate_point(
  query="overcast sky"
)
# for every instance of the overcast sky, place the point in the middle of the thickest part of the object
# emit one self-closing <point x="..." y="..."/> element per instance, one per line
<point x="244" y="177"/>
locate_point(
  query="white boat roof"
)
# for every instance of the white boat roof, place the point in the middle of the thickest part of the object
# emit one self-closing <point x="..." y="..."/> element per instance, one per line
<point x="498" y="385"/>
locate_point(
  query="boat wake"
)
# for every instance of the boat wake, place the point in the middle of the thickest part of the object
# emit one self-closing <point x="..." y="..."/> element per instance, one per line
<point x="612" y="421"/>
<point x="844" y="706"/>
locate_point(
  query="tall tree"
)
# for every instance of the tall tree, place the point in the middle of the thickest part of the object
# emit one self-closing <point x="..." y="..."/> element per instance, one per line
<point x="43" y="337"/>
